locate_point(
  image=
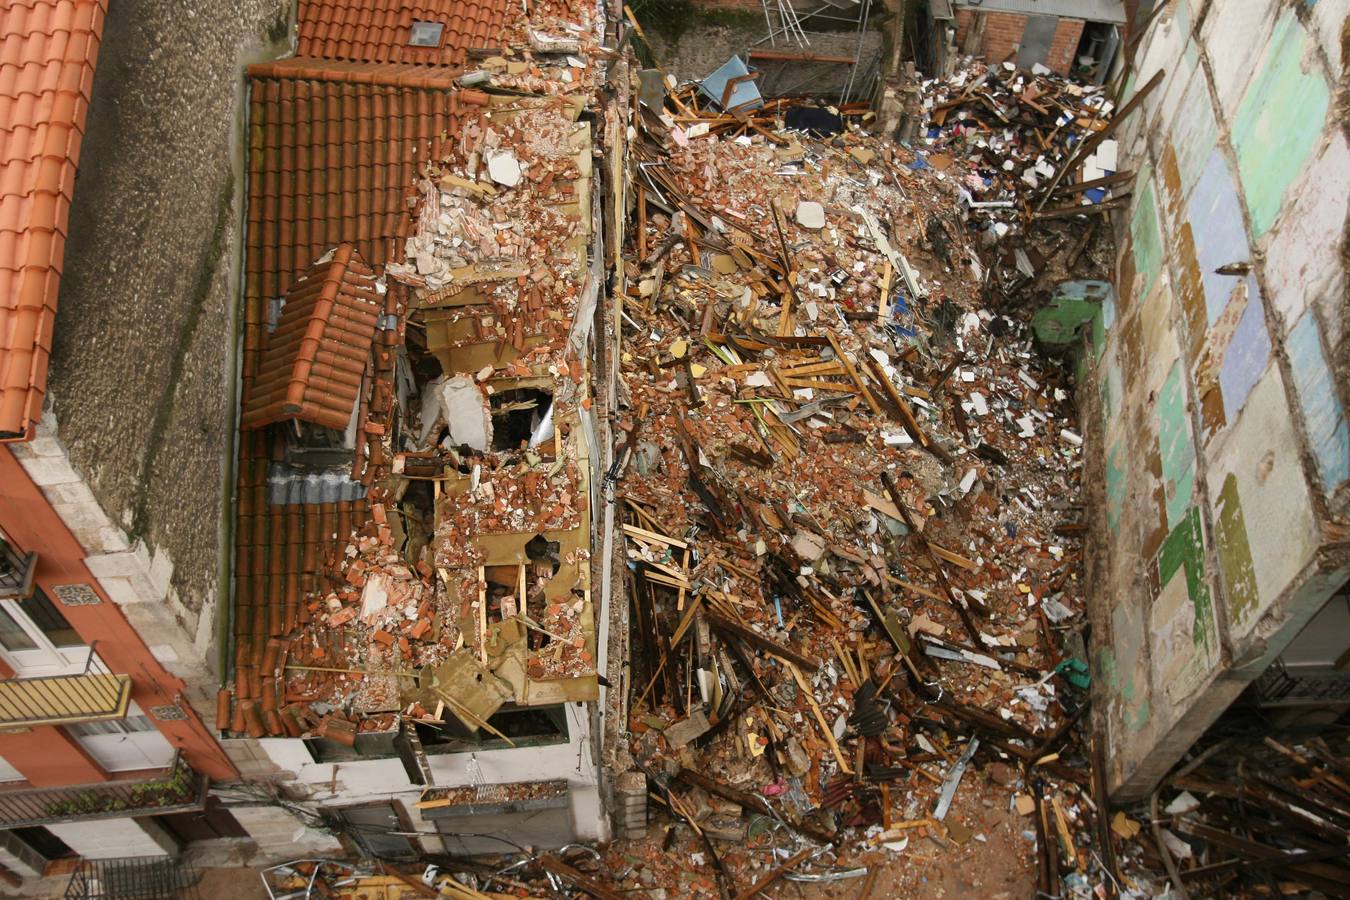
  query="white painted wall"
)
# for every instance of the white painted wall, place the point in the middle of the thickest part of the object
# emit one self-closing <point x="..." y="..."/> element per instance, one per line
<point x="111" y="838"/>
<point x="344" y="783"/>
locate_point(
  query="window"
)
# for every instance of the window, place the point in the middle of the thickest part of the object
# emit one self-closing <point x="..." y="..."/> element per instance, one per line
<point x="12" y="637"/>
<point x="426" y="34"/>
<point x="37" y="640"/>
<point x="375" y="827"/>
<point x="132" y="724"/>
<point x="16" y="570"/>
<point x="8" y="773"/>
<point x="49" y="620"/>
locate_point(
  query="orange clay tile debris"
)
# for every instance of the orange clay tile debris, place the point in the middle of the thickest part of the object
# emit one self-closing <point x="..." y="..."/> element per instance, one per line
<point x="48" y="49"/>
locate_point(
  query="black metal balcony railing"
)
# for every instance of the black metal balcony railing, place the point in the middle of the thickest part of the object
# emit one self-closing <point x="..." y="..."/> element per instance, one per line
<point x="16" y="572"/>
<point x="175" y="788"/>
<point x="1282" y="685"/>
<point x="95" y="693"/>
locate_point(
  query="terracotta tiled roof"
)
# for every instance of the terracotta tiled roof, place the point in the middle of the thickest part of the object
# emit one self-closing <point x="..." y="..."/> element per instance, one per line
<point x="333" y="161"/>
<point x="280" y="553"/>
<point x="379" y="30"/>
<point x="385" y="74"/>
<point x="316" y="358"/>
<point x="47" y="53"/>
<point x="336" y="135"/>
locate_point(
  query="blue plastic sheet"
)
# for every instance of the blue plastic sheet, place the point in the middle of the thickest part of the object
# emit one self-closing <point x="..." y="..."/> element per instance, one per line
<point x="743" y="96"/>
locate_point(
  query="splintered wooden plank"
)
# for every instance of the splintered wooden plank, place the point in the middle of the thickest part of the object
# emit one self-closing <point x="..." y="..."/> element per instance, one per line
<point x="852" y="372"/>
<point x="832" y="367"/>
<point x="884" y="304"/>
<point x="825" y="728"/>
<point x="653" y="536"/>
<point x="817" y="384"/>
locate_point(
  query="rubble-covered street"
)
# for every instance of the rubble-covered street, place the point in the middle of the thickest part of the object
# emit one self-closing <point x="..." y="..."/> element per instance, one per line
<point x="851" y="485"/>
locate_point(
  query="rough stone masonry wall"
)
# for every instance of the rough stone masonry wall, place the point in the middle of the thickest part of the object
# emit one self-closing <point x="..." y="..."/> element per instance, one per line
<point x="1222" y="445"/>
<point x="134" y="447"/>
<point x="716" y="30"/>
<point x="1003" y="38"/>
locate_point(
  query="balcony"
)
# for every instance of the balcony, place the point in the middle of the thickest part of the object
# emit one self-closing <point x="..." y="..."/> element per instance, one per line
<point x="95" y="693"/>
<point x="175" y="788"/>
<point x="16" y="572"/>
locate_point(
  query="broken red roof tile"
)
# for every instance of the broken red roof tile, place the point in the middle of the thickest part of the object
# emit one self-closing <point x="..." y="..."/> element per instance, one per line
<point x="48" y="49"/>
<point x="380" y="30"/>
<point x="315" y="360"/>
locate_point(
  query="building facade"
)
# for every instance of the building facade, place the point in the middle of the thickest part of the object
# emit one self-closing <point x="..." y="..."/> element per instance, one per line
<point x="1217" y="374"/>
<point x="114" y="422"/>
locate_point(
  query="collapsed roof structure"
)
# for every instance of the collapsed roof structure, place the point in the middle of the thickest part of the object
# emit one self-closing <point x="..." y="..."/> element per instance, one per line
<point x="419" y="465"/>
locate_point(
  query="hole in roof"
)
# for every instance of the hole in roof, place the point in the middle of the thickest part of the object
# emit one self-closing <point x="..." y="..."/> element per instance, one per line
<point x="426" y="34"/>
<point x="516" y="416"/>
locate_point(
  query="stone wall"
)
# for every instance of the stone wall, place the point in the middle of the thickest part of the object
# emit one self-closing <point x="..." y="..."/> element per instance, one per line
<point x="139" y="424"/>
<point x="1217" y="376"/>
<point x="703" y="43"/>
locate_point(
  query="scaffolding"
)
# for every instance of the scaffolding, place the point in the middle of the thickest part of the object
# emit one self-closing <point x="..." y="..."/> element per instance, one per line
<point x="786" y="24"/>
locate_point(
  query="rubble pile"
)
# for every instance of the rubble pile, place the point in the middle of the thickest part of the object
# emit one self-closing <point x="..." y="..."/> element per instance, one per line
<point x="1030" y="153"/>
<point x="848" y="490"/>
<point x="1244" y="815"/>
<point x="467" y="589"/>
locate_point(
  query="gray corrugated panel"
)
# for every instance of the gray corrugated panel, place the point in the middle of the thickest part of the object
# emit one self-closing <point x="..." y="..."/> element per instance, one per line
<point x="1091" y="10"/>
<point x="940" y="9"/>
<point x="287" y="485"/>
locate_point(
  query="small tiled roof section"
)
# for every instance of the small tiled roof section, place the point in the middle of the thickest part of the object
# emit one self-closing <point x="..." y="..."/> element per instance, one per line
<point x="48" y="49"/>
<point x="380" y="30"/>
<point x="315" y="360"/>
<point x="331" y="161"/>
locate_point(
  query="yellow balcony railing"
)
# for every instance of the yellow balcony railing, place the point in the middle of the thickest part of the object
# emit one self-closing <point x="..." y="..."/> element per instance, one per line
<point x="91" y="695"/>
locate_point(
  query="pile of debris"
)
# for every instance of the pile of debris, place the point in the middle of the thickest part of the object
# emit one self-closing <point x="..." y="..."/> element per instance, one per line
<point x="1251" y="815"/>
<point x="848" y="491"/>
<point x="1027" y="151"/>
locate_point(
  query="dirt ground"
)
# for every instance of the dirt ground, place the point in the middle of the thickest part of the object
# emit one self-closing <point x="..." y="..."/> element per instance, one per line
<point x="988" y="852"/>
<point x="998" y="867"/>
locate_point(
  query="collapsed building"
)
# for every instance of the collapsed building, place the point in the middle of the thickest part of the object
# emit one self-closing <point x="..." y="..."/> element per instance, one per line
<point x="417" y="601"/>
<point x="618" y="450"/>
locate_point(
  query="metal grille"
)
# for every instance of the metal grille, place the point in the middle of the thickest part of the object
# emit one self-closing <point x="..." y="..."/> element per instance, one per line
<point x="76" y="595"/>
<point x="1279" y="686"/>
<point x="176" y="788"/>
<point x="133" y="878"/>
<point x="169" y="713"/>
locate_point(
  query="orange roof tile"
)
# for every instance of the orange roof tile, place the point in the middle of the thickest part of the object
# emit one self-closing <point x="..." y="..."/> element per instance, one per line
<point x="47" y="53"/>
<point x="315" y="360"/>
<point x="333" y="161"/>
<point x="379" y="30"/>
<point x="386" y="74"/>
